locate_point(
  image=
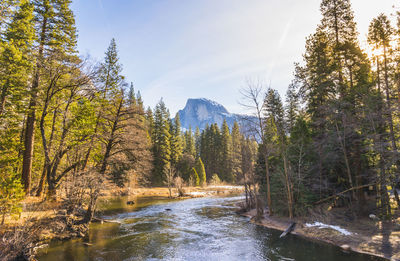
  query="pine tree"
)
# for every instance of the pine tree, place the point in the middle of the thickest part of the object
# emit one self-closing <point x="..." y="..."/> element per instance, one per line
<point x="236" y="157"/>
<point x="16" y="57"/>
<point x="176" y="141"/>
<point x="226" y="172"/>
<point x="215" y="150"/>
<point x="111" y="110"/>
<point x="276" y="118"/>
<point x="149" y="121"/>
<point x="292" y="109"/>
<point x="56" y="35"/>
<point x="197" y="139"/>
<point x="380" y="37"/>
<point x="139" y="98"/>
<point x="335" y="78"/>
<point x="189" y="143"/>
<point x="161" y="142"/>
<point x="16" y="64"/>
<point x="338" y="23"/>
<point x="132" y="95"/>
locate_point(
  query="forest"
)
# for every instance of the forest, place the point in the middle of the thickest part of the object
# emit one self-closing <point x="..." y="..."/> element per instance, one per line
<point x="67" y="122"/>
<point x="69" y="125"/>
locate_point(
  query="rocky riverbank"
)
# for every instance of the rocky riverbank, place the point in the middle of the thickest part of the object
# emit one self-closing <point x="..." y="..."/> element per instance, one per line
<point x="366" y="236"/>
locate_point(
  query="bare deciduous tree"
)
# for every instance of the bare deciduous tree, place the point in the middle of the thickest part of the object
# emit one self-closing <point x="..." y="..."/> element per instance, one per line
<point x="253" y="101"/>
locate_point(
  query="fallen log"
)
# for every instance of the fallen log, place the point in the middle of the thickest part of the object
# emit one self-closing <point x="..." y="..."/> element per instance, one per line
<point x="343" y="192"/>
<point x="288" y="230"/>
<point x="97" y="220"/>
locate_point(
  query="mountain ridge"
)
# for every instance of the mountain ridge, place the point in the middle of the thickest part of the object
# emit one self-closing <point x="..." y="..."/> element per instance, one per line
<point x="198" y="112"/>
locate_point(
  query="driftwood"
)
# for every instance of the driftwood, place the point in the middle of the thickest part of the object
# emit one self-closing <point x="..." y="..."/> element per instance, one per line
<point x="288" y="230"/>
<point x="97" y="220"/>
<point x="337" y="194"/>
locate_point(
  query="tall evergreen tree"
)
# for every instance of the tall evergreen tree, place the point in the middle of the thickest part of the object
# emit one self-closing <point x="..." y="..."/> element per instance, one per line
<point x="176" y="141"/>
<point x="226" y="172"/>
<point x="380" y="37"/>
<point x="161" y="142"/>
<point x="16" y="64"/>
<point x="197" y="139"/>
<point x="275" y="117"/>
<point x="236" y="156"/>
<point x="189" y="143"/>
<point x="56" y="35"/>
<point x="16" y="57"/>
<point x="132" y="95"/>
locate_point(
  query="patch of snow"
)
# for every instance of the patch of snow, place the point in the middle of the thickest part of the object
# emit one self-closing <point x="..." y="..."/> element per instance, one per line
<point x="197" y="193"/>
<point x="337" y="228"/>
<point x="225" y="187"/>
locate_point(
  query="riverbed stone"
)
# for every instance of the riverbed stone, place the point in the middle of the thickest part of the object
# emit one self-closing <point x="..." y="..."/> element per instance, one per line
<point x="346" y="247"/>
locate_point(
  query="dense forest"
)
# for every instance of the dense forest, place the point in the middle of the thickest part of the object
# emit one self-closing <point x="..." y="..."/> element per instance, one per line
<point x="68" y="123"/>
<point x="336" y="136"/>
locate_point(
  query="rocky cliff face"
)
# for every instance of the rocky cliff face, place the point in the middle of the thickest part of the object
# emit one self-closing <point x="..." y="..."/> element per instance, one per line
<point x="200" y="112"/>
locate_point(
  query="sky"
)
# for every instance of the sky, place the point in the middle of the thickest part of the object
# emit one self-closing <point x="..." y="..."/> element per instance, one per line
<point x="180" y="49"/>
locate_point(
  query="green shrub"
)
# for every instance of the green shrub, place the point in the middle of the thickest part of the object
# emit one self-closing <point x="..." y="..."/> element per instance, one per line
<point x="215" y="180"/>
<point x="11" y="193"/>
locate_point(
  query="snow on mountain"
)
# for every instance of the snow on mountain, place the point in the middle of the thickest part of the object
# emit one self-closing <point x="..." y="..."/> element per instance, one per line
<point x="200" y="112"/>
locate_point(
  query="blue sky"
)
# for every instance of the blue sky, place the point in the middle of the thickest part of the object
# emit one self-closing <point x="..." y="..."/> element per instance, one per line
<point x="180" y="49"/>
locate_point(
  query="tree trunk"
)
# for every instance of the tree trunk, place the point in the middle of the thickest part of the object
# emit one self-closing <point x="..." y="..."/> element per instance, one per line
<point x="41" y="182"/>
<point x="269" y="201"/>
<point x="389" y="113"/>
<point x="29" y="139"/>
<point x="346" y="160"/>
<point x="3" y="98"/>
<point x="91" y="208"/>
<point x="30" y="122"/>
<point x="111" y="139"/>
<point x="288" y="187"/>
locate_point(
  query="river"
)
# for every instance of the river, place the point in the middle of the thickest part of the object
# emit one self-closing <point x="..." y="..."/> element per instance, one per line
<point x="193" y="229"/>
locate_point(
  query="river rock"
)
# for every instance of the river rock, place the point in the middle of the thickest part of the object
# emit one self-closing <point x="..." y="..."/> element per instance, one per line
<point x="346" y="247"/>
<point x="373" y="217"/>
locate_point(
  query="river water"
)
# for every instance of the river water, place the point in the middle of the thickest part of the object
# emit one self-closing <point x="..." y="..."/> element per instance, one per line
<point x="193" y="229"/>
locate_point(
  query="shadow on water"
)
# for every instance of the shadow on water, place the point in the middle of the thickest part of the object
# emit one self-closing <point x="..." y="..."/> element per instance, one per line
<point x="194" y="229"/>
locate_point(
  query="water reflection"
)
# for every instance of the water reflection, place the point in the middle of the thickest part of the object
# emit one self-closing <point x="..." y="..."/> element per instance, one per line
<point x="195" y="229"/>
